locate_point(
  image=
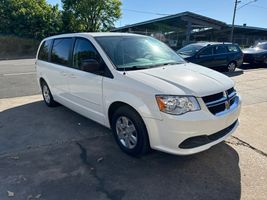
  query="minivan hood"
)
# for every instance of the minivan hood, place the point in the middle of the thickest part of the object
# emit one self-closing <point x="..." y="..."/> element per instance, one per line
<point x="188" y="79"/>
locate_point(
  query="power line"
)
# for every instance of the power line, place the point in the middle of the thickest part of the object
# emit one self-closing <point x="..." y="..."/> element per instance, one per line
<point x="146" y="12"/>
<point x="252" y="1"/>
<point x="256" y="6"/>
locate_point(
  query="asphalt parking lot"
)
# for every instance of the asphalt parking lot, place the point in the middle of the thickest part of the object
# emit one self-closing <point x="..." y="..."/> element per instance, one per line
<point x="54" y="153"/>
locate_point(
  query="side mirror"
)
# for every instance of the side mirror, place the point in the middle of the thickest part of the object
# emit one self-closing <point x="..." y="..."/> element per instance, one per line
<point x="91" y="65"/>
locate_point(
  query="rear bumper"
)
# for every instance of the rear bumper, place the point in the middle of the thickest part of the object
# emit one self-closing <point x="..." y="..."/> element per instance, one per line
<point x="192" y="132"/>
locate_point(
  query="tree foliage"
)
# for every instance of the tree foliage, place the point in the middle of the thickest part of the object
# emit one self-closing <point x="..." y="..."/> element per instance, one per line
<point x="90" y="15"/>
<point x="29" y="18"/>
<point x="38" y="19"/>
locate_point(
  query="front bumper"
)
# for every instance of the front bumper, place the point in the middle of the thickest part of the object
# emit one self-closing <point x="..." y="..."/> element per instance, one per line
<point x="252" y="58"/>
<point x="172" y="131"/>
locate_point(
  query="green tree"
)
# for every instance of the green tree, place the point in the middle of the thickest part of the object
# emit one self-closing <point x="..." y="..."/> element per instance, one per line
<point x="29" y="18"/>
<point x="90" y="15"/>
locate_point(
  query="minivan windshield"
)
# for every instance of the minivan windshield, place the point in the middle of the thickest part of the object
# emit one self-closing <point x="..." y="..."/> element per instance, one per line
<point x="190" y="49"/>
<point x="137" y="52"/>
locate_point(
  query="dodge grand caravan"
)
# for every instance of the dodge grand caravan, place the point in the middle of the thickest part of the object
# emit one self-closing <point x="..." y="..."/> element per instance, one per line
<point x="141" y="89"/>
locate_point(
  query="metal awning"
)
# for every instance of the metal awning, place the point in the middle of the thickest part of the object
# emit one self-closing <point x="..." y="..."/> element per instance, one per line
<point x="178" y="21"/>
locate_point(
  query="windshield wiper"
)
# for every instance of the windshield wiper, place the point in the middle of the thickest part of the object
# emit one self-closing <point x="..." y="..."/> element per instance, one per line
<point x="139" y="67"/>
<point x="171" y="63"/>
<point x="135" y="67"/>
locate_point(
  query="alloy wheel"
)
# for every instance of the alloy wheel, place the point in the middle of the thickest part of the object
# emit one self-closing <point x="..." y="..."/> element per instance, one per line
<point x="46" y="94"/>
<point x="126" y="132"/>
<point x="231" y="67"/>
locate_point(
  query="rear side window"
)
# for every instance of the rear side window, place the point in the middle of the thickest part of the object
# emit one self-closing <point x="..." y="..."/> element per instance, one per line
<point x="44" y="50"/>
<point x="232" y="48"/>
<point x="219" y="49"/>
<point x="61" y="51"/>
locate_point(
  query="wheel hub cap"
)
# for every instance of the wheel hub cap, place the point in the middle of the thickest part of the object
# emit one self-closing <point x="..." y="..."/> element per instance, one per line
<point x="231" y="67"/>
<point x="126" y="132"/>
<point x="46" y="94"/>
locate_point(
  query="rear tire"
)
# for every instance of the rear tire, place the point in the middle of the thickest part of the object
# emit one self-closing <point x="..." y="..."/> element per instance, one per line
<point x="130" y="131"/>
<point x="47" y="96"/>
<point x="231" y="66"/>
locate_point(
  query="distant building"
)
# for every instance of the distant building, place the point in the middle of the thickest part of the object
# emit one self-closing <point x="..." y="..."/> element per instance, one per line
<point x="187" y="27"/>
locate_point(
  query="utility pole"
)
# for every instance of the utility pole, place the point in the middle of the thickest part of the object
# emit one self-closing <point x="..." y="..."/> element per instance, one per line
<point x="233" y="22"/>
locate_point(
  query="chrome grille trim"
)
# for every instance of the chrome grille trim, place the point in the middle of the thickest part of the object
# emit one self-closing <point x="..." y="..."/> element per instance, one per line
<point x="228" y="100"/>
<point x="220" y="101"/>
<point x="232" y="107"/>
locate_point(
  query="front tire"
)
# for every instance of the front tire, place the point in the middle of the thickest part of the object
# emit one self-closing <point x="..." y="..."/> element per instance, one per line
<point x="47" y="96"/>
<point x="130" y="131"/>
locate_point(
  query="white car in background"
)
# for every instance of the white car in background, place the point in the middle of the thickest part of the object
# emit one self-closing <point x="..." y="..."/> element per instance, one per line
<point x="141" y="89"/>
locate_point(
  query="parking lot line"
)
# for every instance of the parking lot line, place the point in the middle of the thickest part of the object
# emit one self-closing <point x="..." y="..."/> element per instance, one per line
<point x="18" y="74"/>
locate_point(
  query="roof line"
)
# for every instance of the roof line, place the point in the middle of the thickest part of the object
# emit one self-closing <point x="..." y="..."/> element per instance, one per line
<point x="248" y="27"/>
<point x="170" y="17"/>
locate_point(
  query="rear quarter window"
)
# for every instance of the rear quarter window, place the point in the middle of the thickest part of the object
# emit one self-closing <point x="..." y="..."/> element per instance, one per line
<point x="44" y="50"/>
<point x="233" y="48"/>
<point x="61" y="51"/>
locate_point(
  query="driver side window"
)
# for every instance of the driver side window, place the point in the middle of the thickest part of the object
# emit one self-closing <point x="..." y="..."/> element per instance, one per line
<point x="206" y="52"/>
<point x="86" y="58"/>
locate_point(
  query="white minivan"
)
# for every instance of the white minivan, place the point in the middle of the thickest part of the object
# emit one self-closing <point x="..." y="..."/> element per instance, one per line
<point x="141" y="89"/>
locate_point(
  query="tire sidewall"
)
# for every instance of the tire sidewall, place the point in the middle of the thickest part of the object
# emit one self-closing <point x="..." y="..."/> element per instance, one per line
<point x="52" y="102"/>
<point x="142" y="137"/>
<point x="230" y="64"/>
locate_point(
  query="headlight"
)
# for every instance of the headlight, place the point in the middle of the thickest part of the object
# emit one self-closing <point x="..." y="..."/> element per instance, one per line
<point x="177" y="105"/>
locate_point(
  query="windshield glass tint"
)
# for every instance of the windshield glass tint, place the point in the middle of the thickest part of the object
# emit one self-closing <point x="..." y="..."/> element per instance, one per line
<point x="190" y="49"/>
<point x="137" y="52"/>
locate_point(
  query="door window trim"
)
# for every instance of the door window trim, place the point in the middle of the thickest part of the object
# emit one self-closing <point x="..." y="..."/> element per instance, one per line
<point x="107" y="72"/>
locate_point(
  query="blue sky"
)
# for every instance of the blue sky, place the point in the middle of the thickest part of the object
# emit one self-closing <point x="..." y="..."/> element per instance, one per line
<point x="254" y="14"/>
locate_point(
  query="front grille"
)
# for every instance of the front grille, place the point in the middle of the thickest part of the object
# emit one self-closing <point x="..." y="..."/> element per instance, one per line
<point x="220" y="102"/>
<point x="212" y="97"/>
<point x="205" y="139"/>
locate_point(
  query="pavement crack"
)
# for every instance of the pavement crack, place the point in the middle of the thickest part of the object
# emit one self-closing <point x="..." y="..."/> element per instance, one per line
<point x="114" y="194"/>
<point x="245" y="144"/>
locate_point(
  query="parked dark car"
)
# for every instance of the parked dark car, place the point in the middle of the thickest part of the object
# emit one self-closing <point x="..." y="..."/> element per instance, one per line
<point x="256" y="54"/>
<point x="226" y="56"/>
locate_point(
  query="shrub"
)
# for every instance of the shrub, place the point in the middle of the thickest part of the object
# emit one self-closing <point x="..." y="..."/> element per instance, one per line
<point x="16" y="47"/>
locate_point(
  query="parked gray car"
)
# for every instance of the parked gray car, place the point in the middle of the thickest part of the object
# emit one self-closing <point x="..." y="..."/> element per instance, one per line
<point x="256" y="54"/>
